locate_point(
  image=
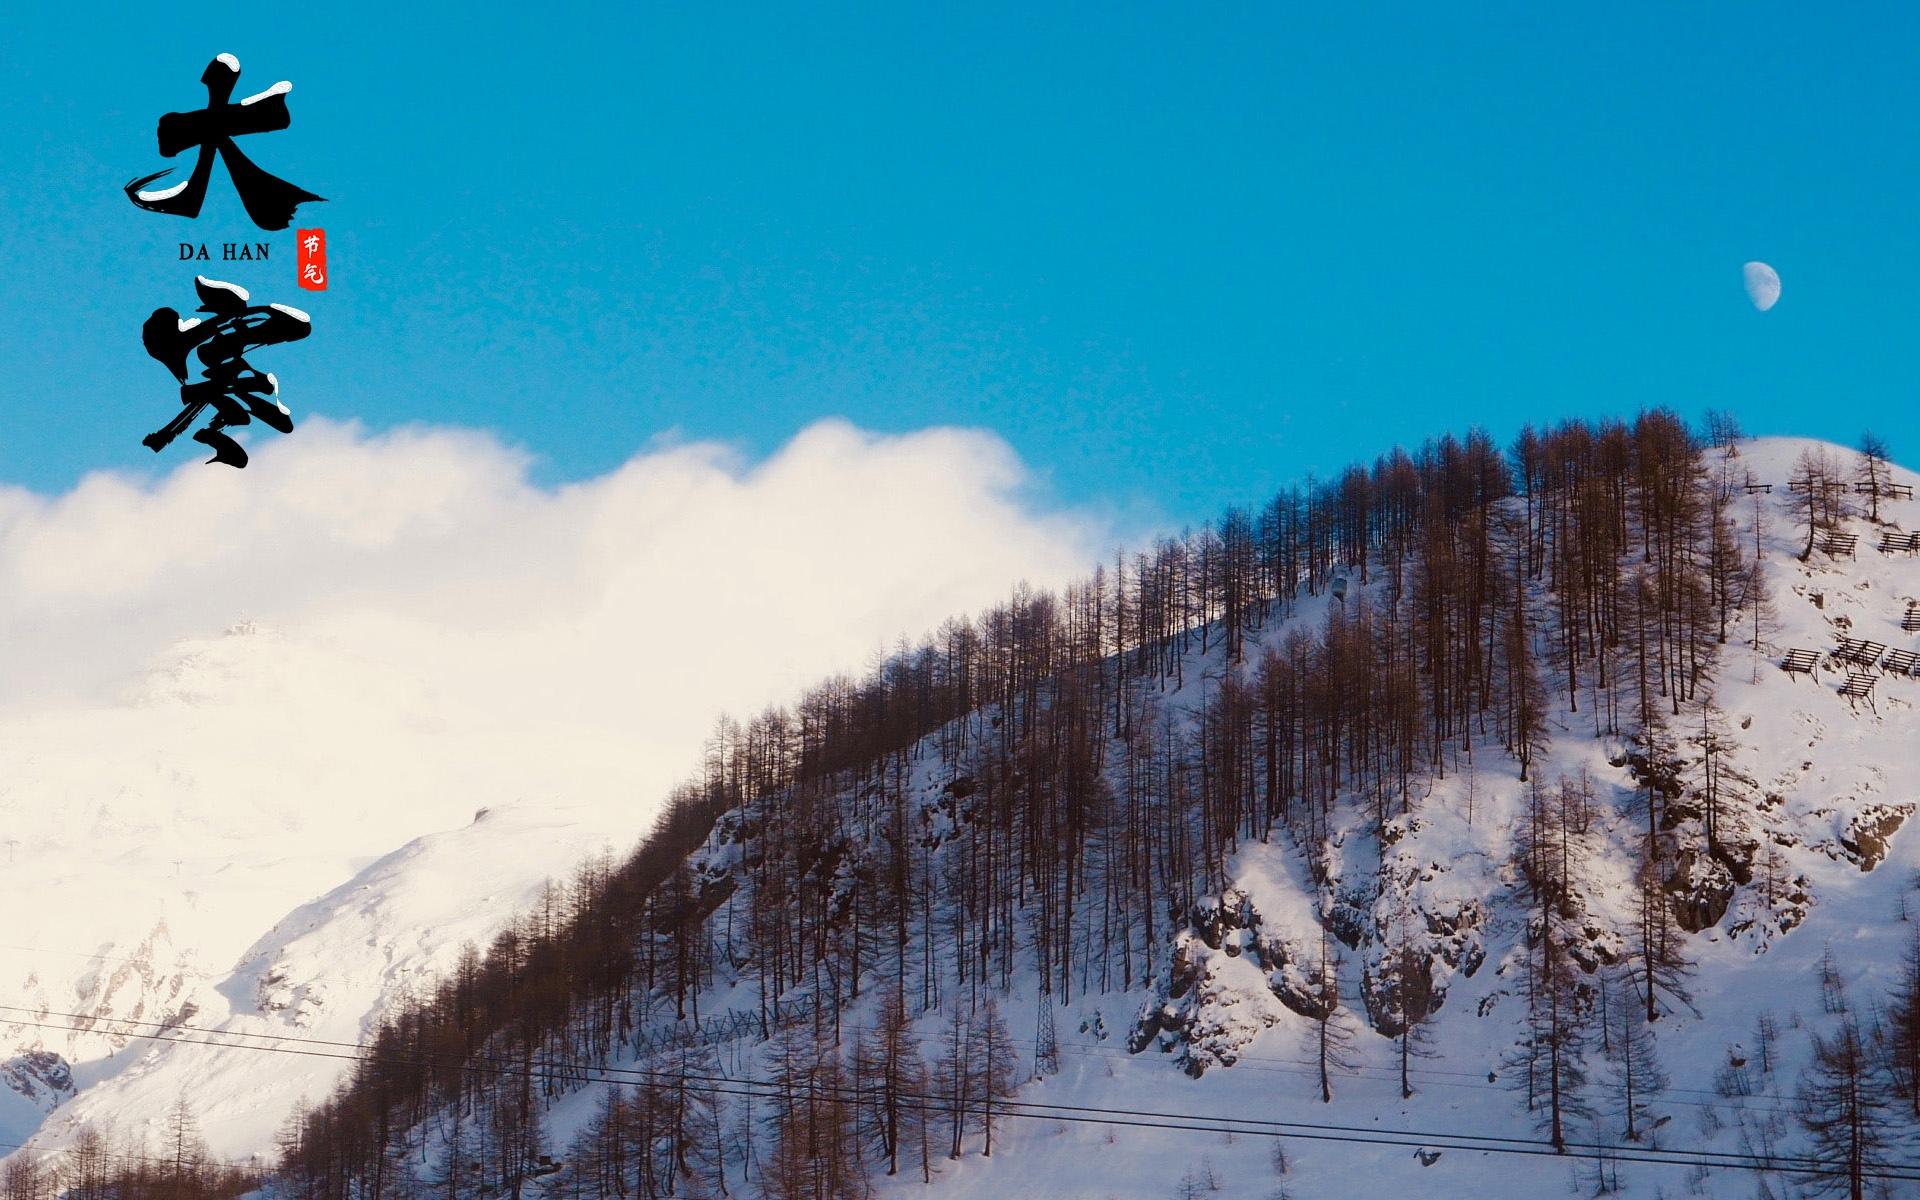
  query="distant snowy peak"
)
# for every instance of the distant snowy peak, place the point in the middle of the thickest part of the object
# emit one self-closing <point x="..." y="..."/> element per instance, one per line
<point x="335" y="966"/>
<point x="237" y="782"/>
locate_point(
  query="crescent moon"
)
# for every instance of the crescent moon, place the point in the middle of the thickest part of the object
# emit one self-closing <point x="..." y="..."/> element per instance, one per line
<point x="1763" y="285"/>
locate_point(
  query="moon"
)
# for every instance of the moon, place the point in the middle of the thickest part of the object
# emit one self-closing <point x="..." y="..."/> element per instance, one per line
<point x="1763" y="285"/>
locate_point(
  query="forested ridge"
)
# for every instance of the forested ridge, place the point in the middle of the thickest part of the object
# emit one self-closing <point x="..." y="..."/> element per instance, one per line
<point x="801" y="895"/>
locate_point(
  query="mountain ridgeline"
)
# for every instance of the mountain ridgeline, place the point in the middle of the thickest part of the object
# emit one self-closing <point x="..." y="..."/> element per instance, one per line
<point x="801" y="983"/>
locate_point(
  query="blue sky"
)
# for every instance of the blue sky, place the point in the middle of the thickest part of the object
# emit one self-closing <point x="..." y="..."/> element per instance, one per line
<point x="1175" y="259"/>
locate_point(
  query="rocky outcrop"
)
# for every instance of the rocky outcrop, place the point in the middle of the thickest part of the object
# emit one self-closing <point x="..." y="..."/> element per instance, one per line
<point x="1868" y="832"/>
<point x="1232" y="976"/>
<point x="1211" y="1006"/>
<point x="43" y="1077"/>
<point x="1700" y="889"/>
<point x="1221" y="988"/>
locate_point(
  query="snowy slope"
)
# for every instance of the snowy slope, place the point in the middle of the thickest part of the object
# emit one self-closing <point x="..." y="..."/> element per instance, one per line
<point x="1816" y="764"/>
<point x="1821" y="787"/>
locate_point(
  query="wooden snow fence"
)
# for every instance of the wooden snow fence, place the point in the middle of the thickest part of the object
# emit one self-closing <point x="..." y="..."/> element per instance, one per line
<point x="1858" y="687"/>
<point x="1902" y="662"/>
<point x="1859" y="652"/>
<point x="1801" y="662"/>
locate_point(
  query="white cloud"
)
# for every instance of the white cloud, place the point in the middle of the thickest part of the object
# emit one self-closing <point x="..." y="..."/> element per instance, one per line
<point x="685" y="580"/>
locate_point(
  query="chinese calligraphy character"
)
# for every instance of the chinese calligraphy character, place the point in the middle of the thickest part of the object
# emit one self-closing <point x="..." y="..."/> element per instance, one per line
<point x="269" y="200"/>
<point x="235" y="391"/>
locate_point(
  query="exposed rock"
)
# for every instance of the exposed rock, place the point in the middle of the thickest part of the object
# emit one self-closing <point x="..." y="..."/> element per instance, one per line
<point x="1675" y="813"/>
<point x="1701" y="888"/>
<point x="1664" y="778"/>
<point x="1594" y="947"/>
<point x="1210" y="1007"/>
<point x="42" y="1076"/>
<point x="1214" y="919"/>
<point x="1349" y="921"/>
<point x="1392" y="997"/>
<point x="1867" y="834"/>
<point x="1738" y="858"/>
<point x="1456" y="936"/>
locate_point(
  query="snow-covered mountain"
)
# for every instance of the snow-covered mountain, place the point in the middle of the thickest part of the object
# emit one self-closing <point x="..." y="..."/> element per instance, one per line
<point x="1826" y="786"/>
<point x="1811" y="891"/>
<point x="1821" y="924"/>
<point x="1829" y="899"/>
<point x="170" y="856"/>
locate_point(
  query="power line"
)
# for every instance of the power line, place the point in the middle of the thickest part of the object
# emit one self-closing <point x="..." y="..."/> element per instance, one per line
<point x="1294" y="1066"/>
<point x="1082" y="1114"/>
<point x="1034" y="1110"/>
<point x="1440" y="1071"/>
<point x="562" y="1069"/>
<point x="566" y="1071"/>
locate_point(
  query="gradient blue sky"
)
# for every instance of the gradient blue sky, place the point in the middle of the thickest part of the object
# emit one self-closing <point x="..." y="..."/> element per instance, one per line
<point x="1173" y="259"/>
